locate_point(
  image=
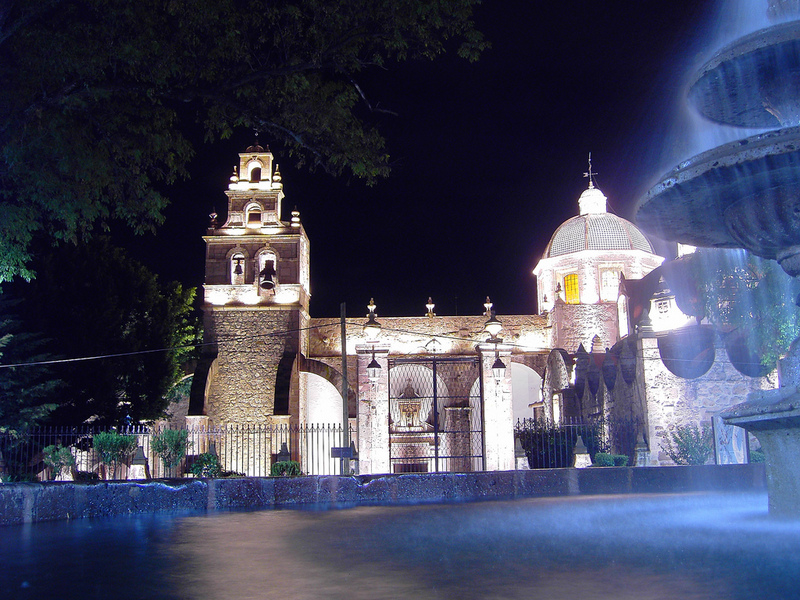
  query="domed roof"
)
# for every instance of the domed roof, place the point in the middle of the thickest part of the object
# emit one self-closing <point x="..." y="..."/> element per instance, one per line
<point x="595" y="229"/>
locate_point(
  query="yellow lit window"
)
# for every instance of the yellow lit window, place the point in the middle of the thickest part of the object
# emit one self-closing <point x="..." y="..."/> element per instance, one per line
<point x="571" y="294"/>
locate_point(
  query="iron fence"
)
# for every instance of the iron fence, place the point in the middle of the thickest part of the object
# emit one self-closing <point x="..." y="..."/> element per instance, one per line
<point x="550" y="445"/>
<point x="245" y="449"/>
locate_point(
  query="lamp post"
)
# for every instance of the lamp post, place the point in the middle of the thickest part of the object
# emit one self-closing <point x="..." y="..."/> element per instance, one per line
<point x="493" y="327"/>
<point x="496" y="408"/>
<point x="372" y="329"/>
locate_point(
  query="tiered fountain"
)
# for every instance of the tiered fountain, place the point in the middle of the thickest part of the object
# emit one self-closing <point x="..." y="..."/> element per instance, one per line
<point x="746" y="194"/>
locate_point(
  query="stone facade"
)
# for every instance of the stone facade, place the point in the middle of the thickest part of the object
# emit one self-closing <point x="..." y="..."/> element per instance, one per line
<point x="256" y="297"/>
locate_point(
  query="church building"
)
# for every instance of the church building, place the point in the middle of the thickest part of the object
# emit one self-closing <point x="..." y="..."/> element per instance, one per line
<point x="434" y="392"/>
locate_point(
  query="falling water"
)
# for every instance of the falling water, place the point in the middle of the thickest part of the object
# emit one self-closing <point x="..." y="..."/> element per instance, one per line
<point x="688" y="132"/>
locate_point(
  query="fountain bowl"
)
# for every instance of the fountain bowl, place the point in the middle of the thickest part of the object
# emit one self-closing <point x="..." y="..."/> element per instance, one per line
<point x="754" y="82"/>
<point x="744" y="194"/>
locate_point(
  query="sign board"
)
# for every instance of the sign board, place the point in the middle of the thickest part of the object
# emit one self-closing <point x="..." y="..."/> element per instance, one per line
<point x="342" y="452"/>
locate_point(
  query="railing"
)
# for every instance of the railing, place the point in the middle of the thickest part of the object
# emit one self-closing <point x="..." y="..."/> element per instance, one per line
<point x="246" y="449"/>
<point x="550" y="445"/>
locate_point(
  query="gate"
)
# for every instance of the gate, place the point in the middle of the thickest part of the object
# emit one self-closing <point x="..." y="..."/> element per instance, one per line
<point x="436" y="415"/>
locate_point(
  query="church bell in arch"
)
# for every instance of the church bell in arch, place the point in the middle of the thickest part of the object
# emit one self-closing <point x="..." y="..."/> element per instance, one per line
<point x="267" y="277"/>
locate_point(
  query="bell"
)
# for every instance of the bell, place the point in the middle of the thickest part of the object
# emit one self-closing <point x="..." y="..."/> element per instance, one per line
<point x="267" y="283"/>
<point x="237" y="270"/>
<point x="267" y="277"/>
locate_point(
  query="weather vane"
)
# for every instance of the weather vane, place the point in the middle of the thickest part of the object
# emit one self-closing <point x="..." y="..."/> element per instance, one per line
<point x="590" y="174"/>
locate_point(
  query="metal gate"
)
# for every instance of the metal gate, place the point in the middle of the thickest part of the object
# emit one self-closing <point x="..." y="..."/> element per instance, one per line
<point x="436" y="415"/>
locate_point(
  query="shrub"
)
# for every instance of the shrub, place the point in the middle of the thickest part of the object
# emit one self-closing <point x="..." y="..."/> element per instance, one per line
<point x="286" y="468"/>
<point x="689" y="445"/>
<point x="58" y="458"/>
<point x="113" y="448"/>
<point x="757" y="456"/>
<point x="171" y="446"/>
<point x="603" y="459"/>
<point x="206" y="465"/>
<point x="231" y="474"/>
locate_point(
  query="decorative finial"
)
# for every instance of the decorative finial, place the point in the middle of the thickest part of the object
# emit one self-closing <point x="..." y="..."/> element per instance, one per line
<point x="256" y="147"/>
<point x="371" y="306"/>
<point x="276" y="177"/>
<point x="430" y="305"/>
<point x="590" y="174"/>
<point x="488" y="306"/>
<point x="235" y="176"/>
<point x="295" y="218"/>
<point x="213" y="216"/>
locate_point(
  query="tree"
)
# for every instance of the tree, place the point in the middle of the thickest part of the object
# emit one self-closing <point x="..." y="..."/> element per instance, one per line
<point x="97" y="96"/>
<point x="27" y="394"/>
<point x="93" y="301"/>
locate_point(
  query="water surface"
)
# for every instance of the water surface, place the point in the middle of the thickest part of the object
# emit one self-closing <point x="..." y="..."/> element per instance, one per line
<point x="644" y="547"/>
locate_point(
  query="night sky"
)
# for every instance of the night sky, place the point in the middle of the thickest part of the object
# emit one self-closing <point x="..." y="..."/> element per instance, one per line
<point x="488" y="159"/>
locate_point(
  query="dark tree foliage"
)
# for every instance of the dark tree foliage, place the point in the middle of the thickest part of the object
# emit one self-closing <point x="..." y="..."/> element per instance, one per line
<point x="93" y="95"/>
<point x="94" y="301"/>
<point x="27" y="394"/>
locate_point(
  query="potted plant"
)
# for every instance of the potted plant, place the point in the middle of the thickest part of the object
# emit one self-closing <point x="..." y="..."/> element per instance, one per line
<point x="113" y="448"/>
<point x="170" y="445"/>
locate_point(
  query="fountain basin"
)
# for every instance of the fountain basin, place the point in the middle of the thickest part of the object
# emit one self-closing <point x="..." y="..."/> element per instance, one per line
<point x="773" y="417"/>
<point x="742" y="194"/>
<point x="753" y="82"/>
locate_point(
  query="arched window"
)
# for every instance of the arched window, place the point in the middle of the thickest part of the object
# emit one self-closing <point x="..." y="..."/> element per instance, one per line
<point x="255" y="175"/>
<point x="609" y="285"/>
<point x="571" y="292"/>
<point x="267" y="274"/>
<point x="237" y="267"/>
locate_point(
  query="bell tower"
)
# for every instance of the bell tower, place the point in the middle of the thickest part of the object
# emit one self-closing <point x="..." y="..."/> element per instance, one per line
<point x="255" y="301"/>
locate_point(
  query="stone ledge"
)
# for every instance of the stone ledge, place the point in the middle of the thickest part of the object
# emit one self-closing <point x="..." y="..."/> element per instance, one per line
<point x="32" y="502"/>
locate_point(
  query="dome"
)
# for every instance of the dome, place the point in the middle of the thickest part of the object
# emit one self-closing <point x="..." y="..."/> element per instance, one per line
<point x="596" y="229"/>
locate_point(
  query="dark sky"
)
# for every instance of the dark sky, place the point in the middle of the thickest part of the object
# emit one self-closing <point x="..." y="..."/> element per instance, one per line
<point x="488" y="159"/>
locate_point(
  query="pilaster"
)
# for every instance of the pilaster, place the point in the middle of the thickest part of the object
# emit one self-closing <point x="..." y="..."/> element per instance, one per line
<point x="498" y="413"/>
<point x="373" y="410"/>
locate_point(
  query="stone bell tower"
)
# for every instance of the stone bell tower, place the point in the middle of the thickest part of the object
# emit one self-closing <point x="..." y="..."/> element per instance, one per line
<point x="256" y="297"/>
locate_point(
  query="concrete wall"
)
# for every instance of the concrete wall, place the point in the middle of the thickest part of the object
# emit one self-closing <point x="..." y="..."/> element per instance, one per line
<point x="32" y="502"/>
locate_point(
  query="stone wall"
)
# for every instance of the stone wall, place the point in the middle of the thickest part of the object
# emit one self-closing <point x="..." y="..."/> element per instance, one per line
<point x="672" y="400"/>
<point x="414" y="335"/>
<point x="256" y="349"/>
<point x="576" y="324"/>
<point x="32" y="502"/>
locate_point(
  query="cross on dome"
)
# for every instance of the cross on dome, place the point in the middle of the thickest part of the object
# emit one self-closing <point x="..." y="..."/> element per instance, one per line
<point x="590" y="174"/>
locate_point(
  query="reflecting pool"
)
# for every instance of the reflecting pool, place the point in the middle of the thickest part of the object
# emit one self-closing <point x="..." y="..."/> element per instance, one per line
<point x="644" y="547"/>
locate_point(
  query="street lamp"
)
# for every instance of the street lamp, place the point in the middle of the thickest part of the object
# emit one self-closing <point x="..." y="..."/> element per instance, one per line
<point x="498" y="368"/>
<point x="373" y="370"/>
<point x="493" y="327"/>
